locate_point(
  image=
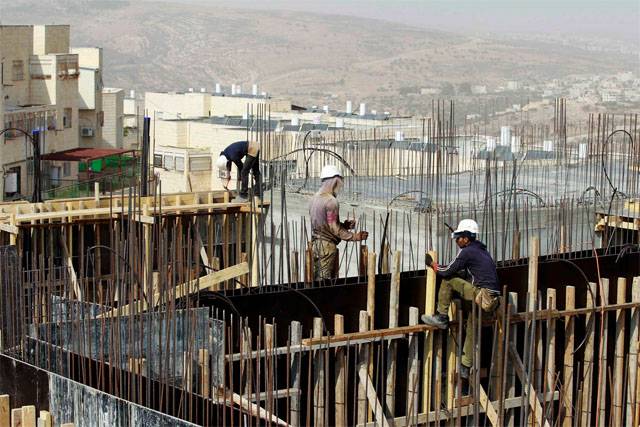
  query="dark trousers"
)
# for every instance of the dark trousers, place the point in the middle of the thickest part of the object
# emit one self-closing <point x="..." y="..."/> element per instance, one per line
<point x="251" y="164"/>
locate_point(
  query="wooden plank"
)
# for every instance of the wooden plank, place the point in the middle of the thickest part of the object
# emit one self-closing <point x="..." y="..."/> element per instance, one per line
<point x="182" y="290"/>
<point x="372" y="397"/>
<point x="29" y="416"/>
<point x="203" y="365"/>
<point x="16" y="417"/>
<point x="603" y="382"/>
<point x="535" y="404"/>
<point x="487" y="406"/>
<point x="5" y="411"/>
<point x="295" y="368"/>
<point x="567" y="373"/>
<point x="618" y="363"/>
<point x="371" y="288"/>
<point x="633" y="404"/>
<point x="362" y="362"/>
<point x="587" y="363"/>
<point x="550" y="362"/>
<point x="318" y="376"/>
<point x="11" y="229"/>
<point x="45" y="419"/>
<point x="427" y="360"/>
<point x="511" y="376"/>
<point x="69" y="262"/>
<point x="340" y="390"/>
<point x="394" y="295"/>
<point x="413" y="374"/>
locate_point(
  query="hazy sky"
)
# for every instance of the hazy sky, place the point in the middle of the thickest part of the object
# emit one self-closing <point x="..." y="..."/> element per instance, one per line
<point x="613" y="19"/>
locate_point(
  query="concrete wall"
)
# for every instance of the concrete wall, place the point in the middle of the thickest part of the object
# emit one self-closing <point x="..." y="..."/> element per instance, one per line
<point x="51" y="39"/>
<point x="112" y="106"/>
<point x="17" y="47"/>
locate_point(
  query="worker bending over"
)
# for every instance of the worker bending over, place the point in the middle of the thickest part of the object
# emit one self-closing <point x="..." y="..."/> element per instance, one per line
<point x="326" y="229"/>
<point x="474" y="262"/>
<point x="234" y="153"/>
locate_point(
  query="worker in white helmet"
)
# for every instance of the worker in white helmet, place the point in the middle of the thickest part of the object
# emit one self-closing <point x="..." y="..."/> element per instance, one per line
<point x="326" y="228"/>
<point x="235" y="153"/>
<point x="474" y="262"/>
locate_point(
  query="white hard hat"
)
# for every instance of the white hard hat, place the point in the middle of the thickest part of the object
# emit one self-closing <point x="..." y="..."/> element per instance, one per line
<point x="466" y="225"/>
<point x="222" y="161"/>
<point x="330" y="171"/>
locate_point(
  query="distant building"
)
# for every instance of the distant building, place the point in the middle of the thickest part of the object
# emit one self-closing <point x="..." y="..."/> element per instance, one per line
<point x="54" y="90"/>
<point x="513" y="85"/>
<point x="612" y="95"/>
<point x="113" y="109"/>
<point x="479" y="89"/>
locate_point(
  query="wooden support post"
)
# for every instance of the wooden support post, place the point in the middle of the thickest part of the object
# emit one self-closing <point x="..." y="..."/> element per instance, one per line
<point x="372" y="398"/>
<point x="371" y="288"/>
<point x="308" y="264"/>
<point x="550" y="364"/>
<point x="187" y="372"/>
<point x="269" y="368"/>
<point x="618" y="363"/>
<point x="29" y="416"/>
<point x="451" y="358"/>
<point x="45" y="419"/>
<point x="203" y="365"/>
<point x="413" y="374"/>
<point x="511" y="375"/>
<point x="363" y="360"/>
<point x="587" y="379"/>
<point x="16" y="417"/>
<point x="318" y="375"/>
<point x="603" y="381"/>
<point x="488" y="407"/>
<point x="255" y="266"/>
<point x="96" y="193"/>
<point x="633" y="403"/>
<point x="295" y="369"/>
<point x="515" y="250"/>
<point x="295" y="269"/>
<point x="567" y="374"/>
<point x="385" y="259"/>
<point x="69" y="262"/>
<point x="340" y="373"/>
<point x="5" y="411"/>
<point x="394" y="296"/>
<point x="364" y="259"/>
<point x="427" y="358"/>
<point x="147" y="267"/>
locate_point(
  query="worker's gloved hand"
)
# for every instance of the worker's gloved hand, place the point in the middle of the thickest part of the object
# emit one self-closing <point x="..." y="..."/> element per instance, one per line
<point x="349" y="224"/>
<point x="361" y="235"/>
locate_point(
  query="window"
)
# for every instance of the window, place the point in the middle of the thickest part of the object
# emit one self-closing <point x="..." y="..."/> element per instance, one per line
<point x="199" y="164"/>
<point x="169" y="163"/>
<point x="66" y="169"/>
<point x="18" y="70"/>
<point x="157" y="160"/>
<point x="180" y="163"/>
<point x="66" y="118"/>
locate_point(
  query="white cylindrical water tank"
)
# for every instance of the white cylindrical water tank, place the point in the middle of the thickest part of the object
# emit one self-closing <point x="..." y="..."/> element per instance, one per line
<point x="238" y="89"/>
<point x="399" y="136"/>
<point x="363" y="108"/>
<point x="190" y="89"/>
<point x="515" y="144"/>
<point x="295" y="121"/>
<point x="254" y="90"/>
<point x="582" y="150"/>
<point x="349" y="107"/>
<point x="505" y="135"/>
<point x="491" y="143"/>
<point x="203" y="89"/>
<point x="132" y="94"/>
<point x="11" y="183"/>
<point x="339" y="122"/>
<point x="325" y="108"/>
<point x="374" y="112"/>
<point x="547" y="145"/>
<point x="218" y="88"/>
<point x="233" y="89"/>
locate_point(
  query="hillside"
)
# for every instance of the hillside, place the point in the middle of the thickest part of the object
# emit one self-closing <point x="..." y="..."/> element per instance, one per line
<point x="312" y="58"/>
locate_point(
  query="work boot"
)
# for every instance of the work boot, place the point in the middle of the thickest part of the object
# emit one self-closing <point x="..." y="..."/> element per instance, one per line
<point x="464" y="372"/>
<point x="440" y="321"/>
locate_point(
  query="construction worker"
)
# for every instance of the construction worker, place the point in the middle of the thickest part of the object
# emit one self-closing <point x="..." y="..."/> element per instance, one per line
<point x="474" y="261"/>
<point x="326" y="229"/>
<point x="234" y="153"/>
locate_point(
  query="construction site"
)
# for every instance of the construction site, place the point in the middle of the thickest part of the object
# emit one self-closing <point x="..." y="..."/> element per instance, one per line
<point x="139" y="307"/>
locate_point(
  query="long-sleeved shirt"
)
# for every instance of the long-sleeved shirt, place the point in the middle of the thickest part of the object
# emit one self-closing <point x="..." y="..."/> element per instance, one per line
<point x="324" y="211"/>
<point x="235" y="152"/>
<point x="477" y="262"/>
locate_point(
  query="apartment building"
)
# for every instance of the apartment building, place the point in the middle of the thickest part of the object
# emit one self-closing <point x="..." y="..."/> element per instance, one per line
<point x="50" y="88"/>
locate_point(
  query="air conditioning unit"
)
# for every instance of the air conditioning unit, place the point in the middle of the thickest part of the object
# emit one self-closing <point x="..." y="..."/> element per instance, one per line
<point x="86" y="131"/>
